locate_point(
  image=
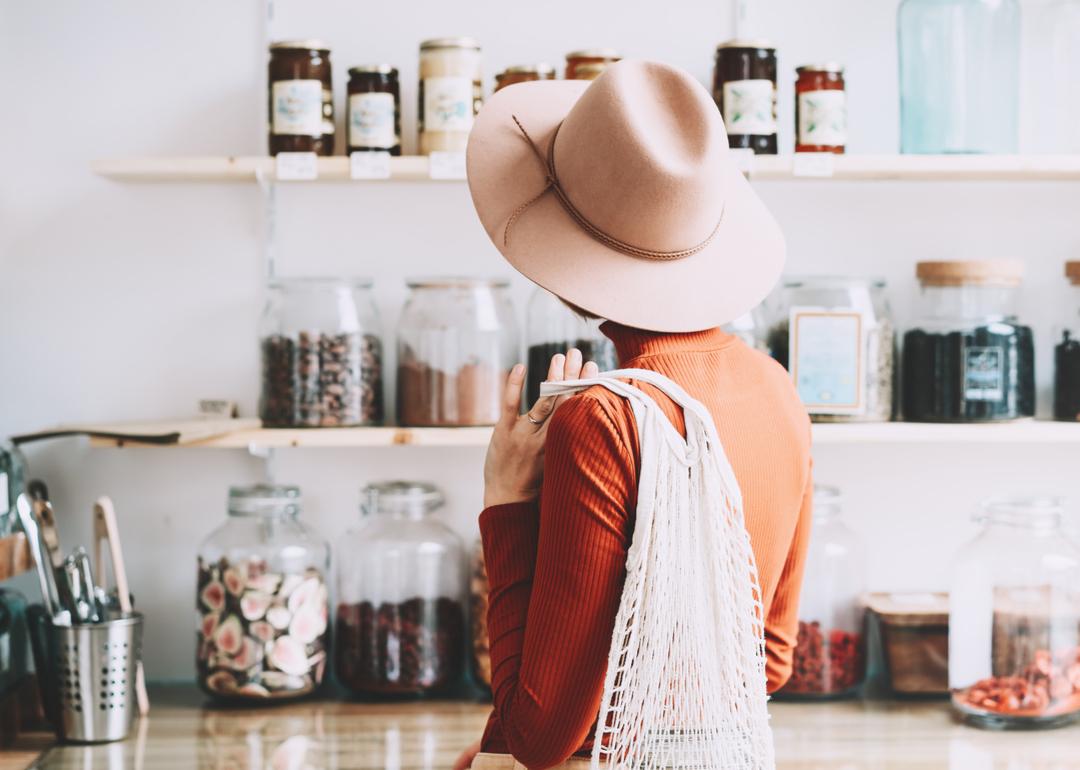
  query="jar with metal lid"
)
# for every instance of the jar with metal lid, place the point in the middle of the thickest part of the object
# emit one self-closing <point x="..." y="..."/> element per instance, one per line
<point x="968" y="358"/>
<point x="478" y="608"/>
<point x="374" y="109"/>
<point x="830" y="654"/>
<point x="450" y="93"/>
<point x="595" y="59"/>
<point x="744" y="88"/>
<point x="12" y="482"/>
<point x="835" y="335"/>
<point x="401" y="610"/>
<point x="524" y="73"/>
<point x="1014" y="625"/>
<point x="262" y="600"/>
<point x="553" y="328"/>
<point x="1067" y="354"/>
<point x="820" y="108"/>
<point x="321" y="354"/>
<point x="457" y="341"/>
<point x="301" y="98"/>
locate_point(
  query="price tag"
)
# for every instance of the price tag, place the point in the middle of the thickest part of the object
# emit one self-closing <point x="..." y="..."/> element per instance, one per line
<point x="813" y="164"/>
<point x="446" y="165"/>
<point x="744" y="159"/>
<point x="296" y="166"/>
<point x="369" y="165"/>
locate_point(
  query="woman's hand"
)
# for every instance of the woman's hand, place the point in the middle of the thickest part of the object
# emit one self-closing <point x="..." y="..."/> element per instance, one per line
<point x="514" y="468"/>
<point x="464" y="762"/>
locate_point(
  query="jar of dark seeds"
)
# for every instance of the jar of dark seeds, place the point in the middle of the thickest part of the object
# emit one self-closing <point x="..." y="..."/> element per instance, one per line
<point x="835" y="335"/>
<point x="1067" y="353"/>
<point x="322" y="362"/>
<point x="401" y="617"/>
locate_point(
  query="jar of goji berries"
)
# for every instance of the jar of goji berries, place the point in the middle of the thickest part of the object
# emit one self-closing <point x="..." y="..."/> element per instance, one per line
<point x="1014" y="626"/>
<point x="401" y="608"/>
<point x="830" y="654"/>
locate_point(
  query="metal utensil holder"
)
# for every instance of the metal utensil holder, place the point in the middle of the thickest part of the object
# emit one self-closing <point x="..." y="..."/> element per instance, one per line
<point x="92" y="678"/>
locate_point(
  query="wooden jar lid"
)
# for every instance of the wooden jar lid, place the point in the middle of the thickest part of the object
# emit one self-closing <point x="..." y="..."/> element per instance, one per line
<point x="984" y="272"/>
<point x="1072" y="271"/>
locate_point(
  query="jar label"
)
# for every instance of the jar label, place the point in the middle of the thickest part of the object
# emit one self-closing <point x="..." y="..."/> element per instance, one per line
<point x="827" y="359"/>
<point x="448" y="104"/>
<point x="371" y="121"/>
<point x="297" y="107"/>
<point x="984" y="374"/>
<point x="823" y="118"/>
<point x="750" y="107"/>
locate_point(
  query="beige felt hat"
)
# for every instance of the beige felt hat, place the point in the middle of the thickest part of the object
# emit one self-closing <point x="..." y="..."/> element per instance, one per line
<point x="620" y="196"/>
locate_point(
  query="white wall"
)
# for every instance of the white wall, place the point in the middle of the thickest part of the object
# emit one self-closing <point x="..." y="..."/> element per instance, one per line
<point x="133" y="301"/>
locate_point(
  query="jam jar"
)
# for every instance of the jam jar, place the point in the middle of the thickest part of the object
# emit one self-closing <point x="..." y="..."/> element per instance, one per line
<point x="820" y="108"/>
<point x="523" y="73"/>
<point x="450" y="93"/>
<point x="374" y="109"/>
<point x="594" y="58"/>
<point x="301" y="98"/>
<point x="1066" y="354"/>
<point x="744" y="88"/>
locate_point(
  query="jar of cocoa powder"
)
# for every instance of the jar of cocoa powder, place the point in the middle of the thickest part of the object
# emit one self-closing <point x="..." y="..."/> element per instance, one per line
<point x="401" y="617"/>
<point x="457" y="340"/>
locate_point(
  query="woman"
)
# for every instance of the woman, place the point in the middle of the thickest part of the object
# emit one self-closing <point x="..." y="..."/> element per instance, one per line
<point x="621" y="198"/>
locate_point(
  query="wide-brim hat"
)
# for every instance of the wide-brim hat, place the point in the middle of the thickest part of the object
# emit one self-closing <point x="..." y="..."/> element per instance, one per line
<point x="620" y="196"/>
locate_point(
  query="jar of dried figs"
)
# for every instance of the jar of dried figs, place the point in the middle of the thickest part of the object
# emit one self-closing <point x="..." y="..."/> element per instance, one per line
<point x="830" y="654"/>
<point x="457" y="340"/>
<point x="401" y="607"/>
<point x="450" y="93"/>
<point x="1014" y="626"/>
<point x="262" y="600"/>
<point x="478" y="607"/>
<point x="301" y="98"/>
<point x="594" y="58"/>
<point x="554" y="328"/>
<point x="524" y="73"/>
<point x="321" y="354"/>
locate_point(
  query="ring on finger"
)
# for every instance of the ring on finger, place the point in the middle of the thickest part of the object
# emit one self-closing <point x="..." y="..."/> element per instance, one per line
<point x="533" y="420"/>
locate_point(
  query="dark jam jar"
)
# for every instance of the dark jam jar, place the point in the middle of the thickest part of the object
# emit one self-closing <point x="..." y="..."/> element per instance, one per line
<point x="1067" y="354"/>
<point x="301" y="98"/>
<point x="820" y="108"/>
<point x="374" y="109"/>
<point x="523" y="74"/>
<point x="744" y="87"/>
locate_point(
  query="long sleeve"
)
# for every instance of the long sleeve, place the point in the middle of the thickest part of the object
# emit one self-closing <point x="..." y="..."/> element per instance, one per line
<point x="550" y="626"/>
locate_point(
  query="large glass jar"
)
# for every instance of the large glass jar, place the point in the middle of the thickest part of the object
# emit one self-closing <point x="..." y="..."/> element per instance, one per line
<point x="12" y="480"/>
<point x="457" y="340"/>
<point x="830" y="655"/>
<point x="401" y="609"/>
<point x="968" y="358"/>
<point x="1067" y="353"/>
<point x="262" y="600"/>
<point x="959" y="76"/>
<point x="553" y="328"/>
<point x="478" y="608"/>
<point x="835" y="335"/>
<point x="1014" y="628"/>
<point x="321" y="354"/>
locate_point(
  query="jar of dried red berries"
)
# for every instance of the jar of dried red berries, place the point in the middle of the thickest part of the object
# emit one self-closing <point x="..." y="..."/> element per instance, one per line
<point x="1014" y="627"/>
<point x="830" y="655"/>
<point x="401" y="596"/>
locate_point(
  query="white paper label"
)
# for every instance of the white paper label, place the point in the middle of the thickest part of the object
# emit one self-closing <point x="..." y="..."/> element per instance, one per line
<point x="369" y="165"/>
<point x="984" y="374"/>
<point x="826" y="359"/>
<point x="446" y="165"/>
<point x="448" y="104"/>
<point x="823" y="118"/>
<point x="750" y="107"/>
<point x="371" y="121"/>
<point x="298" y="107"/>
<point x="296" y="166"/>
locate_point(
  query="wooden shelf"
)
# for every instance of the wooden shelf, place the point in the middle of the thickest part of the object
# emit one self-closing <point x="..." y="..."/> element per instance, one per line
<point x="14" y="555"/>
<point x="776" y="168"/>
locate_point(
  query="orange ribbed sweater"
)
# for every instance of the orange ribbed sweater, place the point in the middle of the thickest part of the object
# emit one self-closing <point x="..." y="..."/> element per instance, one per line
<point x="556" y="567"/>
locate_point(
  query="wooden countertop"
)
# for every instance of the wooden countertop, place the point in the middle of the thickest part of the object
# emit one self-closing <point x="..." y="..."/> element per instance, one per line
<point x="183" y="731"/>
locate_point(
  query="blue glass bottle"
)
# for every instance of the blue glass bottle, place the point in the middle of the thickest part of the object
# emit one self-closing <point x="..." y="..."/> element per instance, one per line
<point x="959" y="76"/>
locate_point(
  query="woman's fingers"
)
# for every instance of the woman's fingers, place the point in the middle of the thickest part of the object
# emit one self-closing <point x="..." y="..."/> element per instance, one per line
<point x="556" y="367"/>
<point x="590" y="370"/>
<point x="572" y="368"/>
<point x="512" y="395"/>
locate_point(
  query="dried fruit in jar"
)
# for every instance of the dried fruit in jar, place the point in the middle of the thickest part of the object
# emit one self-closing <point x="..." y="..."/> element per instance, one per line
<point x="829" y="662"/>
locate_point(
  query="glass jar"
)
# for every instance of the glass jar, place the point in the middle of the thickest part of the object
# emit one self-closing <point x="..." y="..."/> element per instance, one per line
<point x="1067" y="354"/>
<point x="478" y="608"/>
<point x="968" y="358"/>
<point x="830" y="654"/>
<point x="401" y="611"/>
<point x="301" y="98"/>
<point x="1014" y="628"/>
<point x="524" y="73"/>
<point x="596" y="58"/>
<point x="553" y="328"/>
<point x="14" y="640"/>
<point x="959" y="76"/>
<point x="1049" y="79"/>
<point x="321" y="354"/>
<point x="450" y="93"/>
<point x="457" y="341"/>
<point x="820" y="108"/>
<point x="835" y="335"/>
<point x="12" y="483"/>
<point x="374" y="109"/>
<point x="262" y="600"/>
<point x="744" y="88"/>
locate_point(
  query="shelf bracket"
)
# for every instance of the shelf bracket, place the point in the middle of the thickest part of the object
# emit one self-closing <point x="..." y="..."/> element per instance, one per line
<point x="269" y="458"/>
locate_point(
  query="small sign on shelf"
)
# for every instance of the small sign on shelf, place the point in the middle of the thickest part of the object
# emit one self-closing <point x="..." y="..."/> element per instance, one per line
<point x="369" y="165"/>
<point x="296" y="167"/>
<point x="446" y="165"/>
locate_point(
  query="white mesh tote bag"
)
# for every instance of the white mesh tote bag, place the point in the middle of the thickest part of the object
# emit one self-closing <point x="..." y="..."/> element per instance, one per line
<point x="685" y="685"/>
